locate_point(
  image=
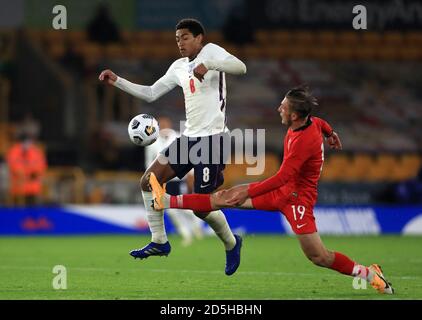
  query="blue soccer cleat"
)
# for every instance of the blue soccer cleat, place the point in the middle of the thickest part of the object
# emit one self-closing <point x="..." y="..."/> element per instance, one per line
<point x="233" y="257"/>
<point x="152" y="249"/>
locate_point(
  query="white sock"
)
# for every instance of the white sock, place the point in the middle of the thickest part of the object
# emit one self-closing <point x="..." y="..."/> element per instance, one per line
<point x="217" y="221"/>
<point x="155" y="220"/>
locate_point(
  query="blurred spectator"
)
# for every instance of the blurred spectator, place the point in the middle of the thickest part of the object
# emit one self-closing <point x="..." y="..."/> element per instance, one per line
<point x="73" y="62"/>
<point x="102" y="28"/>
<point x="27" y="166"/>
<point x="29" y="126"/>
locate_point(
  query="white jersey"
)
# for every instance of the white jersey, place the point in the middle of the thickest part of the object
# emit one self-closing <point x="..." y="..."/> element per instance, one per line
<point x="205" y="101"/>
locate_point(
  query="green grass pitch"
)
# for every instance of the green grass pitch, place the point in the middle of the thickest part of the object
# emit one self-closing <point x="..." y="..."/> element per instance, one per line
<point x="273" y="267"/>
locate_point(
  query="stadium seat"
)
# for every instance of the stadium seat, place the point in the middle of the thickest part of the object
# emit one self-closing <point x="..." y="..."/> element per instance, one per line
<point x="360" y="166"/>
<point x="321" y="52"/>
<point x="342" y="52"/>
<point x="366" y="52"/>
<point x="263" y="37"/>
<point x="349" y="38"/>
<point x="395" y="39"/>
<point x="382" y="168"/>
<point x="76" y="37"/>
<point x="407" y="167"/>
<point x="281" y="37"/>
<point x="137" y="52"/>
<point x="144" y="38"/>
<point x="413" y="39"/>
<point x="409" y="52"/>
<point x="253" y="52"/>
<point x="56" y="50"/>
<point x="371" y="38"/>
<point x="92" y="51"/>
<point x="305" y="38"/>
<point x="388" y="53"/>
<point x="335" y="168"/>
<point x="115" y="51"/>
<point x="327" y="38"/>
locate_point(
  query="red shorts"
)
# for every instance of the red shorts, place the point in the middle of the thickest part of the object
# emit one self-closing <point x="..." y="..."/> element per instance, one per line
<point x="299" y="213"/>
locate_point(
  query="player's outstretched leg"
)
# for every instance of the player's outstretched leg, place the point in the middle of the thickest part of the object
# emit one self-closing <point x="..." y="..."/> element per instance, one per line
<point x="314" y="249"/>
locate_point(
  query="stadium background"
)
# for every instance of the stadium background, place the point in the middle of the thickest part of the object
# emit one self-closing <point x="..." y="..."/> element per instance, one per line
<point x="367" y="82"/>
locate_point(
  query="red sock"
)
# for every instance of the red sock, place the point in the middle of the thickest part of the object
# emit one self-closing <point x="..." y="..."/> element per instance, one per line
<point x="195" y="202"/>
<point x="342" y="264"/>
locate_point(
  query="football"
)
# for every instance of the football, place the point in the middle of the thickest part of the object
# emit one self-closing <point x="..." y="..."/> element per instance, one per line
<point x="143" y="130"/>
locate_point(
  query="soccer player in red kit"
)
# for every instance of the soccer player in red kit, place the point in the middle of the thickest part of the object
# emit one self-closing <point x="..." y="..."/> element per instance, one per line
<point x="292" y="190"/>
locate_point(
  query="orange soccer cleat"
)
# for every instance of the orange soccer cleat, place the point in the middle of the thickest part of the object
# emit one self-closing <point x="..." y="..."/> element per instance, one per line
<point x="379" y="282"/>
<point x="158" y="192"/>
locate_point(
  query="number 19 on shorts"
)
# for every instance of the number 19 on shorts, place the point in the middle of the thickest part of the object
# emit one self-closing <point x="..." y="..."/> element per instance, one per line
<point x="300" y="210"/>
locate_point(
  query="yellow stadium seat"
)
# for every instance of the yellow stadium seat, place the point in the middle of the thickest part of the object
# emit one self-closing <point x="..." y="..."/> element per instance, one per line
<point x="350" y="38"/>
<point x="263" y="37"/>
<point x="306" y="38"/>
<point x="321" y="52"/>
<point x="92" y="51"/>
<point x="76" y="37"/>
<point x="327" y="38"/>
<point x="341" y="52"/>
<point x="144" y="38"/>
<point x="281" y="37"/>
<point x="56" y="50"/>
<point x="371" y="38"/>
<point x="382" y="168"/>
<point x="114" y="51"/>
<point x="410" y="52"/>
<point x="365" y="52"/>
<point x="413" y="38"/>
<point x="253" y="52"/>
<point x="387" y="53"/>
<point x="393" y="38"/>
<point x="335" y="168"/>
<point x="137" y="52"/>
<point x="407" y="167"/>
<point x="127" y="36"/>
<point x="359" y="168"/>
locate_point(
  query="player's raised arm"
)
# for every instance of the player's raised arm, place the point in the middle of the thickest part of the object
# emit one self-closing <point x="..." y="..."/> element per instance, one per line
<point x="229" y="64"/>
<point x="219" y="59"/>
<point x="147" y="93"/>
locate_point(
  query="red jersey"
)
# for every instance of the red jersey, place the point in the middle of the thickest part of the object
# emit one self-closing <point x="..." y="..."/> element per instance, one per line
<point x="302" y="163"/>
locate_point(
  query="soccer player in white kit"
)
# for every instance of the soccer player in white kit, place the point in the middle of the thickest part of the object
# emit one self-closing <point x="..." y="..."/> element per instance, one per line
<point x="201" y="74"/>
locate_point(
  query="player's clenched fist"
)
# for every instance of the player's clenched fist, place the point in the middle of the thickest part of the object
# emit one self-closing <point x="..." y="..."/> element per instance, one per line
<point x="334" y="141"/>
<point x="109" y="76"/>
